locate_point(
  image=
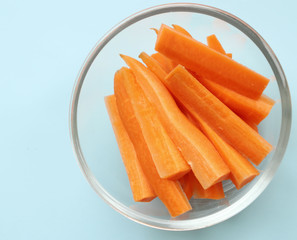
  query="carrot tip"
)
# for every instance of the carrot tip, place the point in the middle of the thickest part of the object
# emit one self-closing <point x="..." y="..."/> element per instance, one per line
<point x="155" y="30"/>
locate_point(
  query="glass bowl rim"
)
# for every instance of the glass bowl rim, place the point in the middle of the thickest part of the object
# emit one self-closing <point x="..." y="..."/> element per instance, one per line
<point x="249" y="197"/>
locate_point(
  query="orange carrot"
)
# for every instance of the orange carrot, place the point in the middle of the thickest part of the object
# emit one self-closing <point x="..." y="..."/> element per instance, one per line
<point x="202" y="103"/>
<point x="187" y="184"/>
<point x="153" y="65"/>
<point x="165" y="62"/>
<point x="169" y="192"/>
<point x="181" y="30"/>
<point x="249" y="109"/>
<point x="215" y="192"/>
<point x="209" y="63"/>
<point x="242" y="171"/>
<point x="252" y="111"/>
<point x="213" y="42"/>
<point x="168" y="160"/>
<point x="206" y="163"/>
<point x="156" y="68"/>
<point x="141" y="189"/>
<point x="229" y="55"/>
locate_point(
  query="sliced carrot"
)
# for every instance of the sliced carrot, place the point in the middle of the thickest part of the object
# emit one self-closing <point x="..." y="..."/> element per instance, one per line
<point x="181" y="30"/>
<point x="206" y="163"/>
<point x="215" y="192"/>
<point x="141" y="189"/>
<point x="214" y="43"/>
<point x="153" y="65"/>
<point x="202" y="103"/>
<point x="156" y="68"/>
<point x="210" y="64"/>
<point x="169" y="192"/>
<point x="165" y="62"/>
<point x="167" y="158"/>
<point x="249" y="109"/>
<point x="242" y="171"/>
<point x="188" y="184"/>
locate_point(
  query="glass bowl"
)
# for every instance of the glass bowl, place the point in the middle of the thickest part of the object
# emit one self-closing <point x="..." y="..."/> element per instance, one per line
<point x="91" y="132"/>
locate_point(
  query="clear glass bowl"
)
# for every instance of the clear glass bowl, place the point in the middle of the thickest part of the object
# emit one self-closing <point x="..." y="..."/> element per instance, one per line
<point x="91" y="132"/>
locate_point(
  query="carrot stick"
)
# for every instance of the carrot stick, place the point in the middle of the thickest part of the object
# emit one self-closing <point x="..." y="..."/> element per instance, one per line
<point x="169" y="192"/>
<point x="249" y="109"/>
<point x="165" y="62"/>
<point x="202" y="103"/>
<point x="213" y="42"/>
<point x="206" y="163"/>
<point x="253" y="111"/>
<point x="168" y="160"/>
<point x="209" y="63"/>
<point x="141" y="189"/>
<point x="181" y="30"/>
<point x="242" y="171"/>
<point x="153" y="65"/>
<point x="156" y="68"/>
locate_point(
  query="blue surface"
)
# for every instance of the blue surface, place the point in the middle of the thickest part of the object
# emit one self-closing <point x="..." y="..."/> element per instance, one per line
<point x="43" y="193"/>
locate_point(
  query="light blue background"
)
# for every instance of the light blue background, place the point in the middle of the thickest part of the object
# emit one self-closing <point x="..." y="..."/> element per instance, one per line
<point x="43" y="193"/>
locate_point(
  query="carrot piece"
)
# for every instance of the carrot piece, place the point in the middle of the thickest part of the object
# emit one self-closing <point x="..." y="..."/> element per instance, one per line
<point x="169" y="191"/>
<point x="252" y="111"/>
<point x="168" y="160"/>
<point x="229" y="55"/>
<point x="187" y="185"/>
<point x="165" y="62"/>
<point x="181" y="30"/>
<point x="249" y="109"/>
<point x="202" y="103"/>
<point x="215" y="192"/>
<point x="197" y="150"/>
<point x="141" y="189"/>
<point x="209" y="63"/>
<point x="153" y="65"/>
<point x="156" y="68"/>
<point x="242" y="171"/>
<point x="214" y="43"/>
